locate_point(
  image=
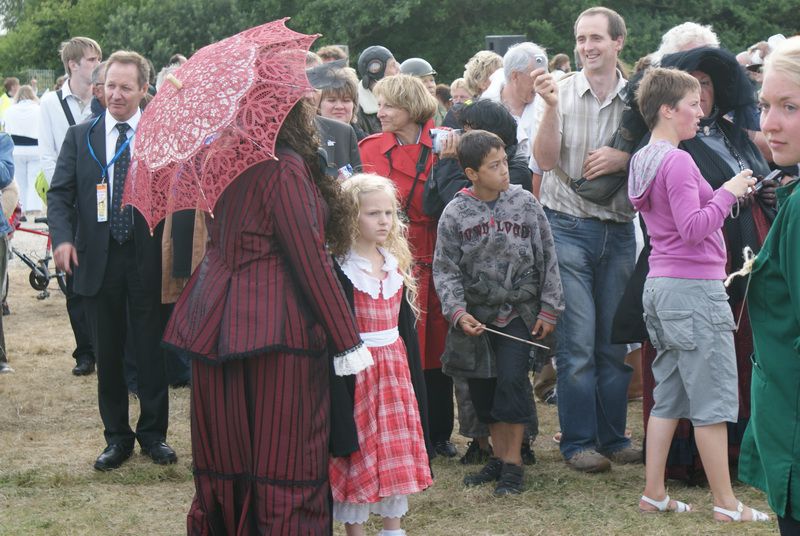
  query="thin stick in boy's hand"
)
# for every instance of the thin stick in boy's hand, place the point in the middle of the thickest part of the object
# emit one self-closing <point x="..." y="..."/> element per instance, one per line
<point x="490" y="330"/>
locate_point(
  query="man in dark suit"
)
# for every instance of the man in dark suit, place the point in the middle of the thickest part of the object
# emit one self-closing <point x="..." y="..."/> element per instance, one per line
<point x="115" y="261"/>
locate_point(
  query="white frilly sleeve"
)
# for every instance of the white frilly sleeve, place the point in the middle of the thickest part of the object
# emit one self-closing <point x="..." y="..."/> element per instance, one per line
<point x="353" y="361"/>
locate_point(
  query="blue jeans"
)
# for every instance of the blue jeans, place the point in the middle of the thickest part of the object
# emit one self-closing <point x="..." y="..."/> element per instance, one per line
<point x="596" y="260"/>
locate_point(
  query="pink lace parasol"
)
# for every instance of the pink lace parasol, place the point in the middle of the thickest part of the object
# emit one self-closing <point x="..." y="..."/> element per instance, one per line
<point x="219" y="116"/>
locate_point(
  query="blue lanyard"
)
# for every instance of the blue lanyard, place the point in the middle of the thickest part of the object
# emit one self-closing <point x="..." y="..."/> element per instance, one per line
<point x="116" y="156"/>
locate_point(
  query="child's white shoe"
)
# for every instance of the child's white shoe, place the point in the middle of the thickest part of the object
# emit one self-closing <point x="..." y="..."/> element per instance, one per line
<point x="663" y="506"/>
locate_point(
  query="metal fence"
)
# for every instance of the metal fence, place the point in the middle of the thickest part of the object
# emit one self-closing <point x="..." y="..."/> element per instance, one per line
<point x="45" y="78"/>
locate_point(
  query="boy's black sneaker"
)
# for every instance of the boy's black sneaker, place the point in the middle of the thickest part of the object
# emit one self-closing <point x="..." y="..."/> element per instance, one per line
<point x="489" y="473"/>
<point x="511" y="479"/>
<point x="475" y="455"/>
<point x="528" y="456"/>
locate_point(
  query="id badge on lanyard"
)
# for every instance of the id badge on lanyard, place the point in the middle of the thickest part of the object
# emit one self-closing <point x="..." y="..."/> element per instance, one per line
<point x="102" y="186"/>
<point x="102" y="202"/>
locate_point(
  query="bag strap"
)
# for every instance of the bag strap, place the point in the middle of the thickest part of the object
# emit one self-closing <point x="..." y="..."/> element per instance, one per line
<point x="421" y="164"/>
<point x="65" y="107"/>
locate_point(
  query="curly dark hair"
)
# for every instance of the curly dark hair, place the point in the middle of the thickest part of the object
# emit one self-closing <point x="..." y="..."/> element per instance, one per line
<point x="300" y="133"/>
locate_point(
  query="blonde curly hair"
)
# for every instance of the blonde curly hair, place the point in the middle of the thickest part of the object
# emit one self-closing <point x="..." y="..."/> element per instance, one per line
<point x="479" y="68"/>
<point x="344" y="233"/>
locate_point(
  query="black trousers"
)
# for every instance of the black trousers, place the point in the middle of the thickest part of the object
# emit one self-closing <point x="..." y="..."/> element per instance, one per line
<point x="123" y="291"/>
<point x="788" y="525"/>
<point x="439" y="388"/>
<point x="80" y="325"/>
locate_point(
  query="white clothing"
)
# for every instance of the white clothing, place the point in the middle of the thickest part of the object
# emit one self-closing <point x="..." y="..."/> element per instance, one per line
<point x="395" y="506"/>
<point x="525" y="122"/>
<point x="496" y="82"/>
<point x="26" y="167"/>
<point x="367" y="100"/>
<point x="22" y="119"/>
<point x="53" y="125"/>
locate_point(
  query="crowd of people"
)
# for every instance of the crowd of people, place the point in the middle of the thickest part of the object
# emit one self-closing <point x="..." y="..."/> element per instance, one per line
<point x="529" y="231"/>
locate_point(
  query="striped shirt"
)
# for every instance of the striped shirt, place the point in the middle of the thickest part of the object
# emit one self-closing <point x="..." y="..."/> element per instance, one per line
<point x="586" y="124"/>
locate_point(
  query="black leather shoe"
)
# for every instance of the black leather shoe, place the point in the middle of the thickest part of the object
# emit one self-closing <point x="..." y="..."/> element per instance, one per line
<point x="446" y="449"/>
<point x="83" y="368"/>
<point x="511" y="480"/>
<point x="112" y="457"/>
<point x="160" y="453"/>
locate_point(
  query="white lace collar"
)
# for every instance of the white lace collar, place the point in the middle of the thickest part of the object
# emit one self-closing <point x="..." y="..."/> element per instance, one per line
<point x="356" y="267"/>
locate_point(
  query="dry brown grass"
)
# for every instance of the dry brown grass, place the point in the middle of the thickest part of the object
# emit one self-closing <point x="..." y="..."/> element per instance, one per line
<point x="50" y="434"/>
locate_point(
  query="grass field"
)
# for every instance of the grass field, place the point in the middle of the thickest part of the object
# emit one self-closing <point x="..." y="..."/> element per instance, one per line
<point x="50" y="434"/>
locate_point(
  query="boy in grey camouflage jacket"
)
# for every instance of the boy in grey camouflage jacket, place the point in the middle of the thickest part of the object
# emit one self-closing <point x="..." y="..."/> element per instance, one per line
<point x="495" y="263"/>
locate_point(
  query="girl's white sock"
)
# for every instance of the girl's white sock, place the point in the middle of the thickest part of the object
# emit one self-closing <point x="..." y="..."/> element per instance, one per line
<point x="395" y="532"/>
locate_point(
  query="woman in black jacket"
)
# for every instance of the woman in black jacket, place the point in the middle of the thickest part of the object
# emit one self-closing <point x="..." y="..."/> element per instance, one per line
<point x="481" y="114"/>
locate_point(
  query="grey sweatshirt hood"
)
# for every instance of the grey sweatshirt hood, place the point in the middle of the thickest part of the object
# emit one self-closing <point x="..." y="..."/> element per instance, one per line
<point x="643" y="170"/>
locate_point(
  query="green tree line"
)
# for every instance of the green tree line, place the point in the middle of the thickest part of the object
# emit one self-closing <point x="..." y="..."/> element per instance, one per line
<point x="446" y="33"/>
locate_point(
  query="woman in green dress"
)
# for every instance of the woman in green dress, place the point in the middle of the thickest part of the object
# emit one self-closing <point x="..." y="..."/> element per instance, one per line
<point x="770" y="454"/>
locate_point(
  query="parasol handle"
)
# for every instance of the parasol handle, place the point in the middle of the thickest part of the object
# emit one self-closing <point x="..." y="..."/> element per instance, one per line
<point x="174" y="81"/>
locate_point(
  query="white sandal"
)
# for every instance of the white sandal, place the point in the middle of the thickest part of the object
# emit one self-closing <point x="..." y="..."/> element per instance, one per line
<point x="736" y="515"/>
<point x="663" y="506"/>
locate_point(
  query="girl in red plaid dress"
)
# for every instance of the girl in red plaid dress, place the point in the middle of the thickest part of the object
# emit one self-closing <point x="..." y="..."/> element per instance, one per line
<point x="391" y="461"/>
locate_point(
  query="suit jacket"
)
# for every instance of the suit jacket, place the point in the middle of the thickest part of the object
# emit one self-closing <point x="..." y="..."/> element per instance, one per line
<point x="74" y="188"/>
<point x="340" y="143"/>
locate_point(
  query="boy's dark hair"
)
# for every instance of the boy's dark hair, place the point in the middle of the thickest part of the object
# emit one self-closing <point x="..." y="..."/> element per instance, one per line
<point x="661" y="86"/>
<point x="485" y="114"/>
<point x="475" y="145"/>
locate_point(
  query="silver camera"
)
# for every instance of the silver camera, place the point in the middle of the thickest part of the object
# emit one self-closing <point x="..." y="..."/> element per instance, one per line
<point x="439" y="137"/>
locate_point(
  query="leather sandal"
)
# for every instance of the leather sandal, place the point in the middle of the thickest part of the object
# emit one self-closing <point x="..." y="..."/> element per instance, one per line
<point x="736" y="515"/>
<point x="663" y="506"/>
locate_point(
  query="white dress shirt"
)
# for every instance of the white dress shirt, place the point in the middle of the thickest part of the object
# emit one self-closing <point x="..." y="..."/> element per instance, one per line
<point x="111" y="142"/>
<point x="53" y="125"/>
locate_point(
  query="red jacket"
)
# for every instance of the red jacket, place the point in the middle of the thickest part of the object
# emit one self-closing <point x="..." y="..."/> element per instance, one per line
<point x="266" y="283"/>
<point x="381" y="154"/>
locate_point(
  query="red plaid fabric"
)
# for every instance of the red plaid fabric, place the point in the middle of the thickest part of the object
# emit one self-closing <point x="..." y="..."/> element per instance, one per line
<point x="391" y="459"/>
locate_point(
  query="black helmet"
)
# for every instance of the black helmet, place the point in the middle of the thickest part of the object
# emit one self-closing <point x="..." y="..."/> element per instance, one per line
<point x="417" y="67"/>
<point x="372" y="64"/>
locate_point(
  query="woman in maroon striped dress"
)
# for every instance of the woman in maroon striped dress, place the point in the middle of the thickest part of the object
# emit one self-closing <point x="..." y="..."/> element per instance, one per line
<point x="258" y="317"/>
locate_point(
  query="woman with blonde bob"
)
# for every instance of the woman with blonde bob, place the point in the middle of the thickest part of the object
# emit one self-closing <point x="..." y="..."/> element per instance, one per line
<point x="770" y="449"/>
<point x="479" y="70"/>
<point x="459" y="91"/>
<point x="403" y="152"/>
<point x="383" y="456"/>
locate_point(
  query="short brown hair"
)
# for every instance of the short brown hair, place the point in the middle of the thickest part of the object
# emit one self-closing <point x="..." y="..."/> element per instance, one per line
<point x="344" y="84"/>
<point x="407" y="92"/>
<point x="127" y="57"/>
<point x="661" y="86"/>
<point x="475" y="145"/>
<point x="616" y="24"/>
<point x="10" y="83"/>
<point x="74" y="49"/>
<point x="331" y="53"/>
